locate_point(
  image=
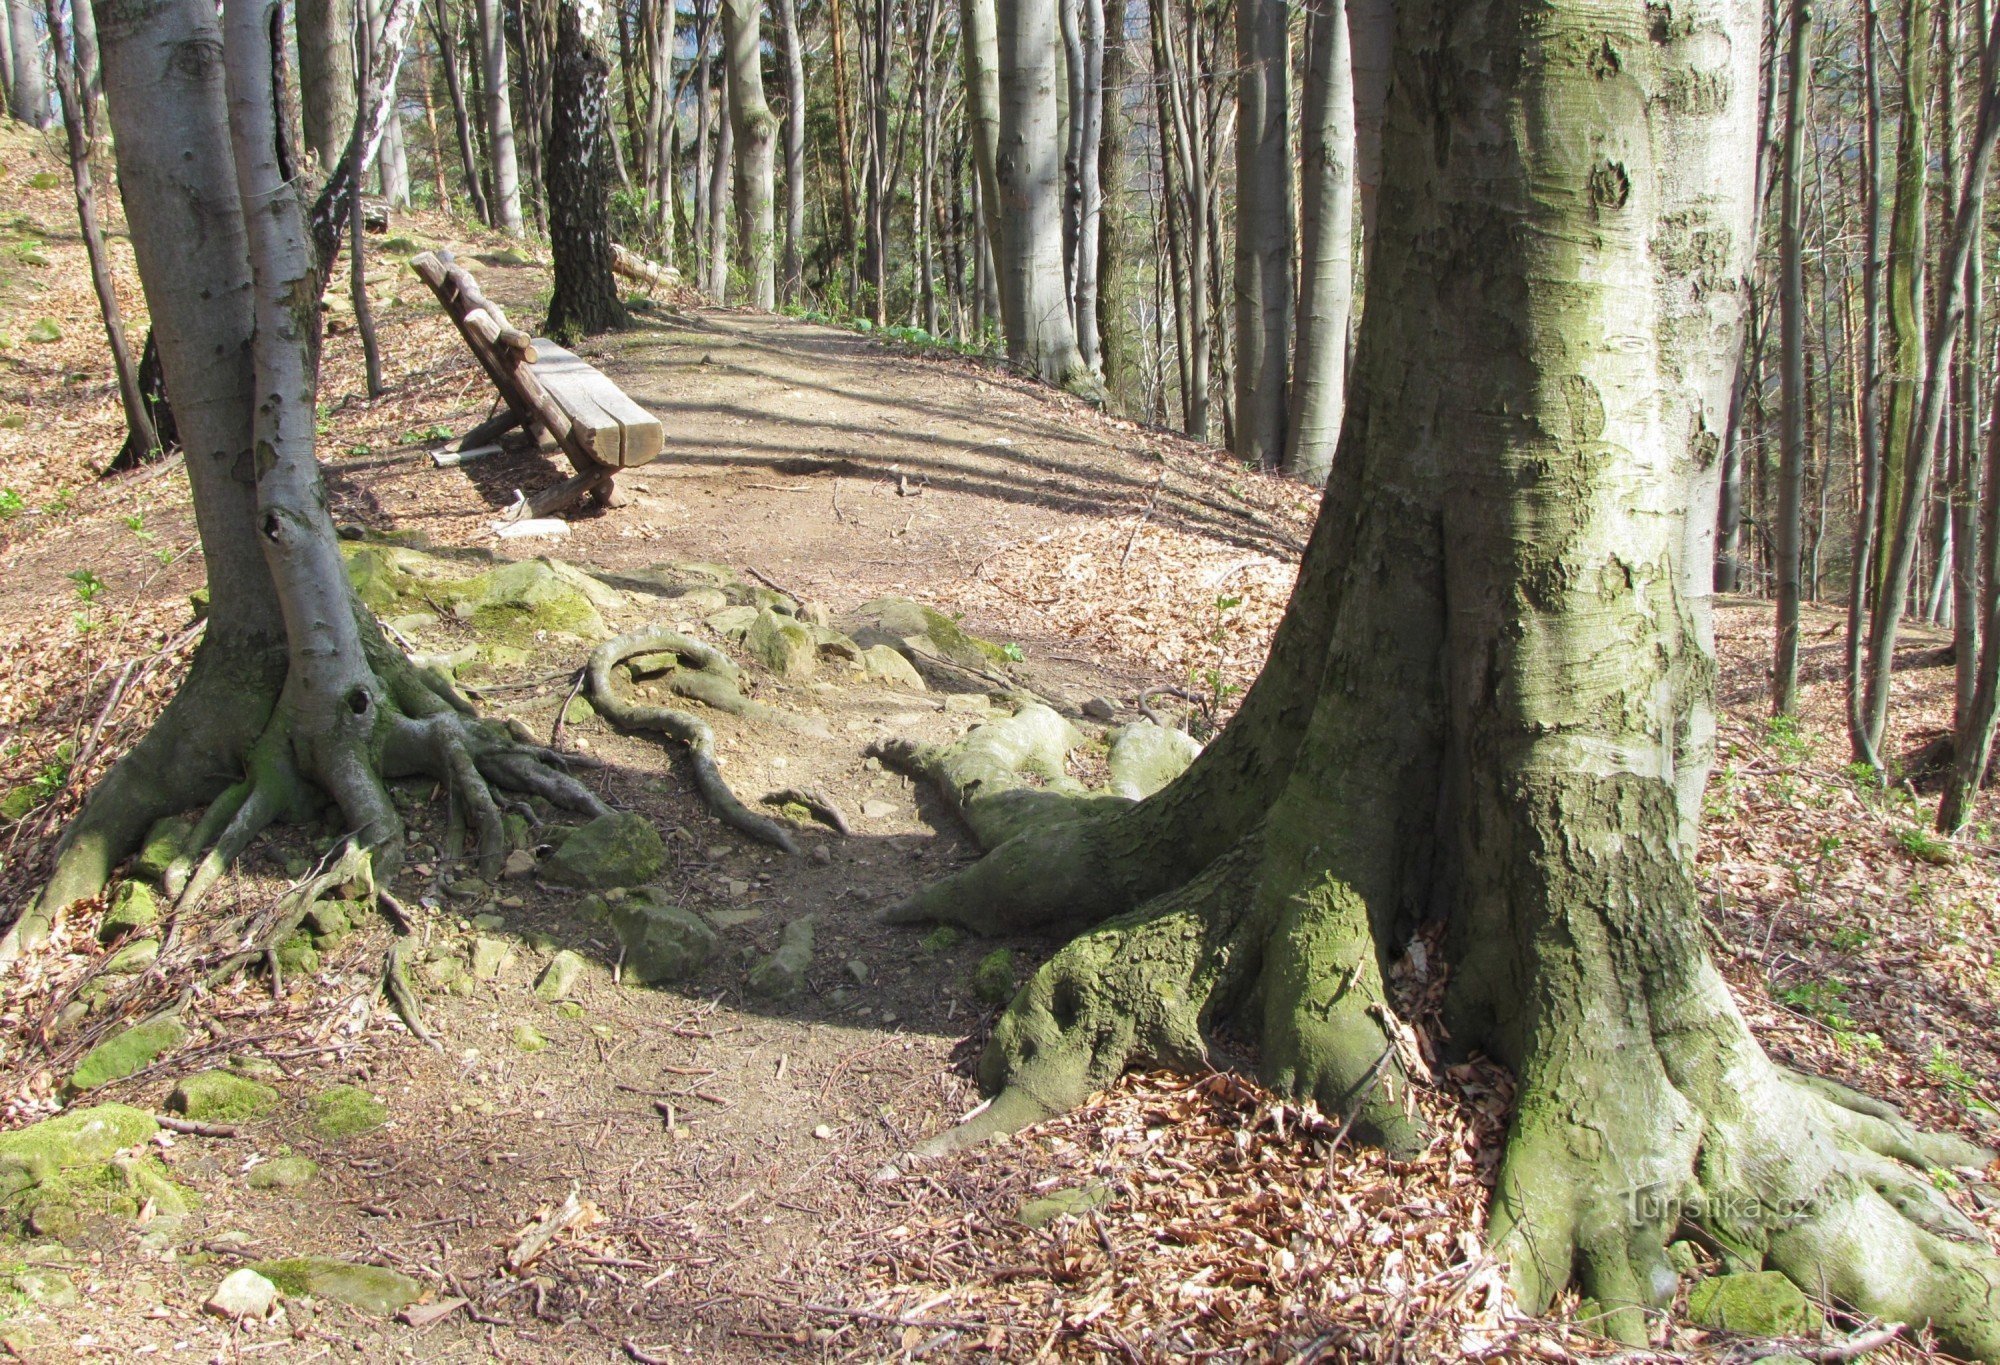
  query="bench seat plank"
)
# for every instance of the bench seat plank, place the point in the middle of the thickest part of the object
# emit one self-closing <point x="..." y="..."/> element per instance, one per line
<point x="613" y="428"/>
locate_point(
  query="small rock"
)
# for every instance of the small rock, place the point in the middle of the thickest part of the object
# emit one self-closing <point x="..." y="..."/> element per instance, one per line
<point x="489" y="921"/>
<point x="490" y="956"/>
<point x="243" y="1294"/>
<point x="369" y="1288"/>
<point x="166" y="841"/>
<point x="732" y="623"/>
<point x="127" y="1051"/>
<point x="821" y="854"/>
<point x="578" y="709"/>
<point x="823" y="1132"/>
<point x="662" y="941"/>
<point x="1145" y="757"/>
<point x="43" y="1287"/>
<point x="528" y="1038"/>
<point x="221" y="1097"/>
<point x="941" y="939"/>
<point x="467" y="889"/>
<point x="815" y="613"/>
<point x="569" y="1009"/>
<point x="283" y="1173"/>
<point x="886" y="664"/>
<point x="782" y="645"/>
<point x="1074" y="1203"/>
<point x="968" y="703"/>
<point x="731" y="919"/>
<point x="858" y="969"/>
<point x="520" y="863"/>
<point x="442" y="971"/>
<point x="343" y="1111"/>
<point x="133" y="958"/>
<point x="784" y="971"/>
<point x="134" y="907"/>
<point x="878" y="810"/>
<point x="993" y="978"/>
<point x="736" y="889"/>
<point x="1101" y="708"/>
<point x="559" y="977"/>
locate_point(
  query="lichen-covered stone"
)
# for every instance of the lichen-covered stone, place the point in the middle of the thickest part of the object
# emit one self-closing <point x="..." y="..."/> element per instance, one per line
<point x="662" y="941"/>
<point x="620" y="849"/>
<point x="784" y="971"/>
<point x="67" y="1174"/>
<point x="993" y="978"/>
<point x="887" y="665"/>
<point x="166" y="841"/>
<point x="578" y="709"/>
<point x="297" y="956"/>
<point x="900" y="623"/>
<point x="243" y="1294"/>
<point x="344" y="1111"/>
<point x="133" y="958"/>
<point x="329" y="921"/>
<point x="528" y="1038"/>
<point x="41" y="1286"/>
<point x="509" y="604"/>
<point x="130" y="1049"/>
<point x="372" y="1289"/>
<point x="732" y="623"/>
<point x="559" y="978"/>
<point x="1762" y="1304"/>
<point x="1072" y="1203"/>
<point x="283" y="1173"/>
<point x="1145" y="757"/>
<point x="490" y="957"/>
<point x="221" y="1097"/>
<point x="782" y="645"/>
<point x="133" y="909"/>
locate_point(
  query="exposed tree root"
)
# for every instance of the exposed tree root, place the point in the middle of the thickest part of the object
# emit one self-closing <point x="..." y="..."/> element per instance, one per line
<point x="690" y="730"/>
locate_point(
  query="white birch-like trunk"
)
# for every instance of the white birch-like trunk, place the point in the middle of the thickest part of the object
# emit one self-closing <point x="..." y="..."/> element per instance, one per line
<point x="754" y="130"/>
<point x="28" y="91"/>
<point x="1326" y="247"/>
<point x="499" y="117"/>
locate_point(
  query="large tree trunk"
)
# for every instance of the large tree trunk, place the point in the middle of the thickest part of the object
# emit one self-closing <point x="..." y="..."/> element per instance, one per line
<point x="1263" y="232"/>
<point x="1034" y="302"/>
<point x="499" y="118"/>
<point x="579" y="178"/>
<point x="1484" y="710"/>
<point x="1326" y="247"/>
<point x="28" y="90"/>
<point x="326" y="77"/>
<point x="755" y="132"/>
<point x="1792" y="348"/>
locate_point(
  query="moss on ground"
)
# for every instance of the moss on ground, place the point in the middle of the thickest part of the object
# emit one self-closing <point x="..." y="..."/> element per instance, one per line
<point x="344" y="1111"/>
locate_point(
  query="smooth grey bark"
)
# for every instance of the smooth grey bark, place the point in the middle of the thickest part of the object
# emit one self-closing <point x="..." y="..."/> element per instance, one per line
<point x="754" y="131"/>
<point x="499" y="118"/>
<point x="1089" y="118"/>
<point x="1034" y="303"/>
<point x="979" y="50"/>
<point x="1792" y="348"/>
<point x="69" y="85"/>
<point x="83" y="36"/>
<point x="1371" y="28"/>
<point x="325" y="31"/>
<point x="28" y="90"/>
<point x="1874" y="271"/>
<point x="791" y="270"/>
<point x="1122" y="229"/>
<point x="1263" y="232"/>
<point x="6" y="59"/>
<point x="1326" y="247"/>
<point x="1183" y="112"/>
<point x="357" y="236"/>
<point x="717" y="283"/>
<point x="461" y="120"/>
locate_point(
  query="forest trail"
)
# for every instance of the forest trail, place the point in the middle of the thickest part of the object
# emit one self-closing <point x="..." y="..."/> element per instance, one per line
<point x="727" y="1152"/>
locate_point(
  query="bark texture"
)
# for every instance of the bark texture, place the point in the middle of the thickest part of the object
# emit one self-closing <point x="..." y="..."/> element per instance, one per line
<point x="1326" y="247"/>
<point x="28" y="86"/>
<point x="579" y="178"/>
<point x="1485" y="717"/>
<point x="1263" y="232"/>
<point x="326" y="77"/>
<point x="754" y="131"/>
<point x="499" y="118"/>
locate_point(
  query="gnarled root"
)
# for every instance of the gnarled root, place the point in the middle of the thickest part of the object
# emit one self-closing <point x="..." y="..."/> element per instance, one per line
<point x="1142" y="989"/>
<point x="1622" y="1144"/>
<point x="689" y="730"/>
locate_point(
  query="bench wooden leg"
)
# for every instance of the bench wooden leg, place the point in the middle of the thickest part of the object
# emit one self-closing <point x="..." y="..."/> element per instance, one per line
<point x="566" y="494"/>
<point x="484" y="434"/>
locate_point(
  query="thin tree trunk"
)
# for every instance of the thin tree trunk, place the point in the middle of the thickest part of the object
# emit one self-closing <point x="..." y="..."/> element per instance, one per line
<point x="1090" y="199"/>
<point x="1326" y="247"/>
<point x="1263" y="233"/>
<point x="1862" y="746"/>
<point x="1371" y="28"/>
<point x="979" y="47"/>
<point x="425" y="86"/>
<point x="585" y="299"/>
<point x="704" y="93"/>
<point x="1792" y="344"/>
<point x="1907" y="245"/>
<point x="754" y="131"/>
<point x="500" y="117"/>
<point x="90" y="80"/>
<point x="718" y="190"/>
<point x="791" y="273"/>
<point x="357" y="256"/>
<point x="843" y="109"/>
<point x="69" y="86"/>
<point x="441" y="30"/>
<point x="1965" y="471"/>
<point x="1119" y="241"/>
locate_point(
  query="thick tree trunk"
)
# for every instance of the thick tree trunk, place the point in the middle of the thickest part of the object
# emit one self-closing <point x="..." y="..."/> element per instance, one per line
<point x="1371" y="29"/>
<point x="28" y="90"/>
<point x="1120" y="245"/>
<point x="1484" y="709"/>
<point x="499" y="118"/>
<point x="139" y="430"/>
<point x="791" y="274"/>
<point x="1792" y="346"/>
<point x="579" y="178"/>
<point x="326" y="77"/>
<point x="1908" y="234"/>
<point x="1034" y="304"/>
<point x="1326" y="247"/>
<point x="754" y="130"/>
<point x="979" y="46"/>
<point x="1263" y="232"/>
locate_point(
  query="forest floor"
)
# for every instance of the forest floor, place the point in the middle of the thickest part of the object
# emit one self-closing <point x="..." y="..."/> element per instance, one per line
<point x="718" y="1165"/>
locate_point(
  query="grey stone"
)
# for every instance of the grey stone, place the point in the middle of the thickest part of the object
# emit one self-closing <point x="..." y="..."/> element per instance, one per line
<point x="490" y="957"/>
<point x="621" y="849"/>
<point x="559" y="977"/>
<point x="782" y="645"/>
<point x="1101" y="708"/>
<point x="784" y="971"/>
<point x="134" y="908"/>
<point x="1145" y="757"/>
<point x="1072" y="1203"/>
<point x="662" y="941"/>
<point x="888" y="666"/>
<point x="243" y="1294"/>
<point x="1762" y="1303"/>
<point x="283" y="1173"/>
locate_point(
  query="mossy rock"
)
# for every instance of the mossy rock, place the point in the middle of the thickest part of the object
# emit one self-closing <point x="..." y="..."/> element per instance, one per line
<point x="19" y="801"/>
<point x="559" y="978"/>
<point x="993" y="978"/>
<point x="616" y="850"/>
<point x="43" y="331"/>
<point x="1073" y="1203"/>
<point x="129" y="1050"/>
<point x="508" y="605"/>
<point x="898" y="622"/>
<point x="1761" y="1304"/>
<point x="528" y="1038"/>
<point x="133" y="958"/>
<point x="69" y="1176"/>
<point x="134" y="908"/>
<point x="784" y="971"/>
<point x="371" y="1289"/>
<point x="662" y="941"/>
<point x="297" y="956"/>
<point x="283" y="1173"/>
<point x="330" y="921"/>
<point x="166" y="841"/>
<point x="782" y="645"/>
<point x="887" y="665"/>
<point x="1145" y="757"/>
<point x="222" y="1097"/>
<point x="40" y="1286"/>
<point x="345" y="1111"/>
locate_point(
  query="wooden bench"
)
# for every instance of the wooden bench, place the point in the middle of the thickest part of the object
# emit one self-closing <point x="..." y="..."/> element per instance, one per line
<point x="543" y="386"/>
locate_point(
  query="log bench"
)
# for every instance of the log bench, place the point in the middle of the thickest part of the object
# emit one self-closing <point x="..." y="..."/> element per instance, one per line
<point x="545" y="387"/>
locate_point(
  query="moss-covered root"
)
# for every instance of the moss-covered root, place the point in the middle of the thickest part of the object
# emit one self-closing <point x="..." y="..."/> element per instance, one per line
<point x="1618" y="1149"/>
<point x="689" y="730"/>
<point x="1005" y="777"/>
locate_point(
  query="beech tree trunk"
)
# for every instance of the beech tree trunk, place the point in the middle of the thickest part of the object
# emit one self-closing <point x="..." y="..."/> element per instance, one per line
<point x="357" y="236"/>
<point x="499" y="118"/>
<point x="1119" y="248"/>
<point x="28" y="90"/>
<point x="461" y="122"/>
<point x="579" y="178"/>
<point x="1034" y="302"/>
<point x="717" y="283"/>
<point x="754" y="130"/>
<point x="791" y="272"/>
<point x="1263" y="232"/>
<point x="1485" y="710"/>
<point x="326" y="77"/>
<point x="1792" y="346"/>
<point x="1326" y="247"/>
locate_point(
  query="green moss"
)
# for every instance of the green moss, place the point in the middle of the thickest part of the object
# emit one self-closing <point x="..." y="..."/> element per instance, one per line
<point x="64" y="1174"/>
<point x="621" y="849"/>
<point x="222" y="1097"/>
<point x="297" y="956"/>
<point x="133" y="908"/>
<point x="369" y="1288"/>
<point x="993" y="978"/>
<point x="283" y="1173"/>
<point x="167" y="840"/>
<point x="129" y="1050"/>
<point x="344" y="1111"/>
